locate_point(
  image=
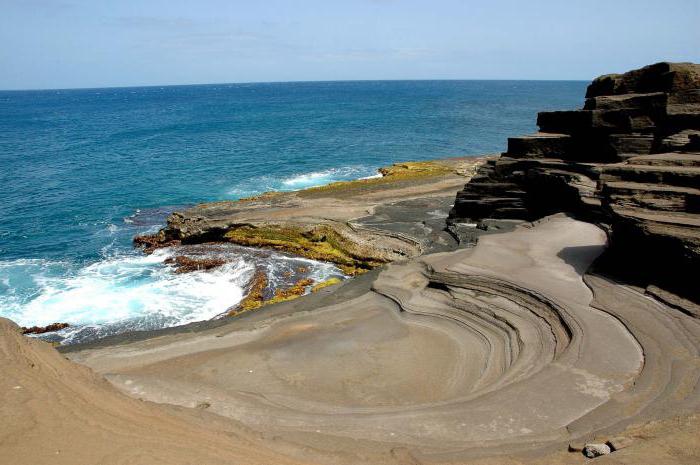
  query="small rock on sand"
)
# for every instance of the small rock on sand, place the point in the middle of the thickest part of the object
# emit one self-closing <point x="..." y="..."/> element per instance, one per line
<point x="596" y="450"/>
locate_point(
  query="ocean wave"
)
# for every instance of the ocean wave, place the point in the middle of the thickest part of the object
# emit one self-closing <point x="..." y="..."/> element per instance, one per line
<point x="123" y="288"/>
<point x="299" y="181"/>
<point x="140" y="292"/>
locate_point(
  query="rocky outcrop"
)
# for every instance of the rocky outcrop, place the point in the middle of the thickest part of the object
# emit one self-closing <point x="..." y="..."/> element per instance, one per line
<point x="629" y="160"/>
<point x="45" y="329"/>
<point x="184" y="264"/>
<point x="357" y="225"/>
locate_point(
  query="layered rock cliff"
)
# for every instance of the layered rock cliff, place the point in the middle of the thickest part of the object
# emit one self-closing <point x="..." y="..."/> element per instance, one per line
<point x="629" y="160"/>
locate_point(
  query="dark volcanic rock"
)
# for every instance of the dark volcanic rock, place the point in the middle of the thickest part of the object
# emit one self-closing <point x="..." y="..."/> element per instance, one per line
<point x="45" y="329"/>
<point x="151" y="242"/>
<point x="665" y="77"/>
<point x="629" y="160"/>
<point x="184" y="264"/>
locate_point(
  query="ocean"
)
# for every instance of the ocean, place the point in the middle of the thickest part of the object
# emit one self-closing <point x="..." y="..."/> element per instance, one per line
<point x="83" y="171"/>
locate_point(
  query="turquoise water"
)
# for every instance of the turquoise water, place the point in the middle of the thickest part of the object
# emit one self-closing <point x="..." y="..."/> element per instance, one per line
<point x="85" y="170"/>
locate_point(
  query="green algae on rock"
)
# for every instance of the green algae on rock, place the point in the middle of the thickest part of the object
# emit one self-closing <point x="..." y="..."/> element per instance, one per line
<point x="327" y="283"/>
<point x="396" y="173"/>
<point x="332" y="223"/>
<point x="319" y="242"/>
<point x="256" y="298"/>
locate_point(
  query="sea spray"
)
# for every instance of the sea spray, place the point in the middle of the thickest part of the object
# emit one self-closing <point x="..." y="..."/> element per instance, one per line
<point x="141" y="292"/>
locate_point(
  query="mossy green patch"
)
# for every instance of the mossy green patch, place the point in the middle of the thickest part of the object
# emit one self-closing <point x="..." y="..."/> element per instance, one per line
<point x="326" y="283"/>
<point x="255" y="297"/>
<point x="256" y="294"/>
<point x="318" y="243"/>
<point x="392" y="174"/>
<point x="264" y="196"/>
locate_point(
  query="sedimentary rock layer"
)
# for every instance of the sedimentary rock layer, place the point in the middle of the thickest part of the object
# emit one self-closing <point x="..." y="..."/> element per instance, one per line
<point x="629" y="160"/>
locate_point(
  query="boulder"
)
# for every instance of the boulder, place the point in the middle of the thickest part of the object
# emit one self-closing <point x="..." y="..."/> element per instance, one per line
<point x="659" y="77"/>
<point x="596" y="450"/>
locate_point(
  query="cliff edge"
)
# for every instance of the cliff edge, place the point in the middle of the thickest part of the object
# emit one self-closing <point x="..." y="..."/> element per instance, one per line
<point x="629" y="161"/>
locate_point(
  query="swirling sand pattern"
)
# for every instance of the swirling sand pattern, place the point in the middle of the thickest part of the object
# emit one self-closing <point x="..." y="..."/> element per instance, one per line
<point x="505" y="348"/>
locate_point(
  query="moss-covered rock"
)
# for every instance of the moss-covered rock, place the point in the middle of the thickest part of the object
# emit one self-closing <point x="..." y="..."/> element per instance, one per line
<point x="255" y="297"/>
<point x="256" y="293"/>
<point x="320" y="242"/>
<point x="415" y="169"/>
<point x="296" y="290"/>
<point x="393" y="174"/>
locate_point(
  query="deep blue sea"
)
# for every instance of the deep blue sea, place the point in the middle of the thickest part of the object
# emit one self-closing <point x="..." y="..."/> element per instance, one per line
<point x="83" y="171"/>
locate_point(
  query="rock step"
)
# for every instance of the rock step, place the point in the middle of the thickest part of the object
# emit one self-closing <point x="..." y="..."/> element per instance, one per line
<point x="506" y="166"/>
<point x="652" y="196"/>
<point x="492" y="188"/>
<point x="584" y="121"/>
<point x="672" y="175"/>
<point x="627" y="145"/>
<point x="539" y="145"/>
<point x="690" y="221"/>
<point x="655" y="101"/>
<point x="667" y="159"/>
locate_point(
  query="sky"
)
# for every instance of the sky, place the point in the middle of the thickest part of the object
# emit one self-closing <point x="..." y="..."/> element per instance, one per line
<point x="100" y="43"/>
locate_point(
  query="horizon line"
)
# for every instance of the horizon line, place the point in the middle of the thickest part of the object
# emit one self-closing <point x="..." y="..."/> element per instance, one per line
<point x="321" y="81"/>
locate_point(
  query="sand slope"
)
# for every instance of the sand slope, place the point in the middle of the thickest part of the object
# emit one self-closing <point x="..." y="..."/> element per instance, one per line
<point x="56" y="412"/>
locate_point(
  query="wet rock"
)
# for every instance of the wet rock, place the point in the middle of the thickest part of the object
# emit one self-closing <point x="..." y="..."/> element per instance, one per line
<point x="151" y="242"/>
<point x="184" y="264"/>
<point x="296" y="290"/>
<point x="44" y="329"/>
<point x="255" y="295"/>
<point x="596" y="450"/>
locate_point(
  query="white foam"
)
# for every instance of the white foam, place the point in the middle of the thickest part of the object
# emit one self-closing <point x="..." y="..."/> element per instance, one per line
<point x="128" y="287"/>
<point x="319" y="178"/>
<point x="301" y="180"/>
<point x="136" y="292"/>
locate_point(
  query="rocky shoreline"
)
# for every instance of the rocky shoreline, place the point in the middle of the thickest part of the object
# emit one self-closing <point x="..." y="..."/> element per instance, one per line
<point x="570" y="334"/>
<point x="325" y="222"/>
<point x="356" y="225"/>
